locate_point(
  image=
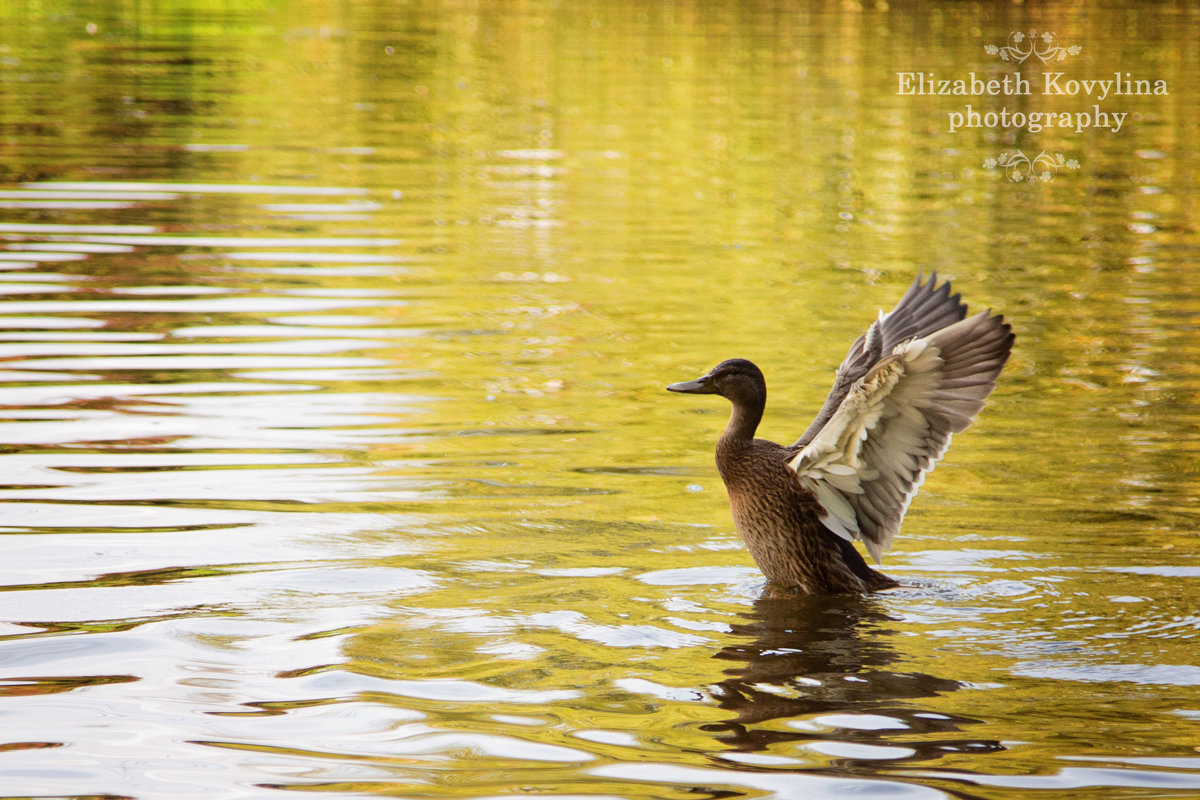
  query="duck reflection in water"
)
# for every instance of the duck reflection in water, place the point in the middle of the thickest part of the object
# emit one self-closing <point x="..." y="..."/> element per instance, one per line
<point x="917" y="376"/>
<point x="807" y="658"/>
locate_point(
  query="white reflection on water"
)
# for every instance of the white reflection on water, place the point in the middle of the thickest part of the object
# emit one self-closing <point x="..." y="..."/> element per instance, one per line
<point x="196" y="188"/>
<point x="219" y="305"/>
<point x="782" y="784"/>
<point x="34" y="257"/>
<point x="1082" y="778"/>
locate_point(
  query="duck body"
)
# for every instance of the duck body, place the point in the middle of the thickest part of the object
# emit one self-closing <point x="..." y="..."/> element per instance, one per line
<point x="916" y="377"/>
<point x="779" y="521"/>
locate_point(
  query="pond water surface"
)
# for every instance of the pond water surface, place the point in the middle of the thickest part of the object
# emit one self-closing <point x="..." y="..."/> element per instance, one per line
<point x="336" y="456"/>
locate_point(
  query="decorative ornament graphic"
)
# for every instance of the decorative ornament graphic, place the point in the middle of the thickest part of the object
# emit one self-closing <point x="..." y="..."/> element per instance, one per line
<point x="1019" y="167"/>
<point x="1041" y="45"/>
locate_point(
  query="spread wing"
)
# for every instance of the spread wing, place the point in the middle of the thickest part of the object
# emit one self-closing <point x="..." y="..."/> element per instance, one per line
<point x="867" y="460"/>
<point x="924" y="309"/>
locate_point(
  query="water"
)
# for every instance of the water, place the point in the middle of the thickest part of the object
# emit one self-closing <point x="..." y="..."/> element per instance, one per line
<point x="337" y="456"/>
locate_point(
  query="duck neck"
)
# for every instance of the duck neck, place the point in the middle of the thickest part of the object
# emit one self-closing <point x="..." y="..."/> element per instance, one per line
<point x="743" y="422"/>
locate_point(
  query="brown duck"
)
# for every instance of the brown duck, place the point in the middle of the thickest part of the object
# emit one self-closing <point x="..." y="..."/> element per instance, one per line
<point x="916" y="377"/>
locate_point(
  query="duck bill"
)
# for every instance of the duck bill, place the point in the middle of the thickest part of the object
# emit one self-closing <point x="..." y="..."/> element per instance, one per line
<point x="702" y="385"/>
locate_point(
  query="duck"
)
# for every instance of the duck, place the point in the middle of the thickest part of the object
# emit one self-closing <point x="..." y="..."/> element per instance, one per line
<point x="917" y="376"/>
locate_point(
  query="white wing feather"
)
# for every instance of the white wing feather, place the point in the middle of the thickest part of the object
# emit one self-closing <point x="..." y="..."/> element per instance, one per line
<point x="867" y="461"/>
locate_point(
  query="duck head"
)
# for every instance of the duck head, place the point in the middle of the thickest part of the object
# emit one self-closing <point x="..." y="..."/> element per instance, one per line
<point x="738" y="380"/>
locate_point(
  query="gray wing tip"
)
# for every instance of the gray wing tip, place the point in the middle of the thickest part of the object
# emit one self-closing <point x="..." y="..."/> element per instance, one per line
<point x="927" y="306"/>
<point x="1005" y="327"/>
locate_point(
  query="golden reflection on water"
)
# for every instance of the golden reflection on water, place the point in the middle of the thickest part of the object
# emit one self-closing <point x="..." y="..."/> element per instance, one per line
<point x="334" y="345"/>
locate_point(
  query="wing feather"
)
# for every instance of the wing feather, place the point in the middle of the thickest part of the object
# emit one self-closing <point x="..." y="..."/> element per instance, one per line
<point x="866" y="461"/>
<point x="925" y="308"/>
